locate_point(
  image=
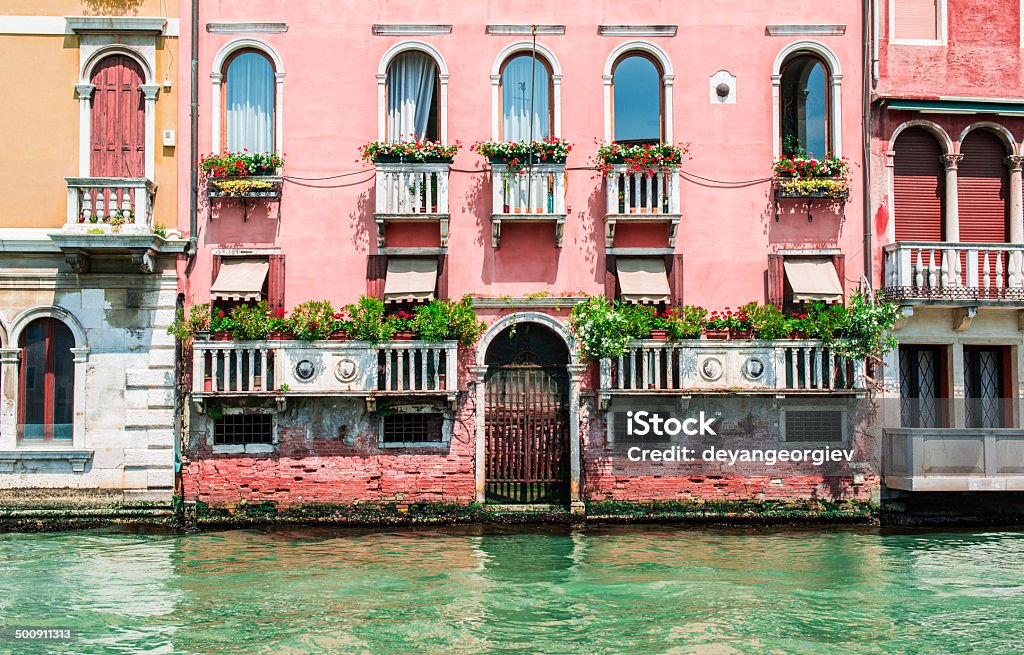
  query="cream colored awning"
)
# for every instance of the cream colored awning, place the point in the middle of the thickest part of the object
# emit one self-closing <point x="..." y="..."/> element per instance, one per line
<point x="813" y="278"/>
<point x="410" y="278"/>
<point x="240" y="279"/>
<point x="642" y="279"/>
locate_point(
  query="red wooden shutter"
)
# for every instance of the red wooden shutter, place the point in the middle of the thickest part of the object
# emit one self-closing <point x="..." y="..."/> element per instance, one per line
<point x="442" y="277"/>
<point x="611" y="278"/>
<point x="376" y="274"/>
<point x="118" y="120"/>
<point x="919" y="187"/>
<point x="983" y="187"/>
<point x="674" y="267"/>
<point x="275" y="282"/>
<point x="916" y="19"/>
<point x="776" y="280"/>
<point x="839" y="261"/>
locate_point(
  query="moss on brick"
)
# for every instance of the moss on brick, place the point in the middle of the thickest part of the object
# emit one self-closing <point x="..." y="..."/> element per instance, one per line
<point x="734" y="511"/>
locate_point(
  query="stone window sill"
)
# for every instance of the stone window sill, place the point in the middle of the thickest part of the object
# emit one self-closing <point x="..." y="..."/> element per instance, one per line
<point x="246" y="449"/>
<point x="77" y="458"/>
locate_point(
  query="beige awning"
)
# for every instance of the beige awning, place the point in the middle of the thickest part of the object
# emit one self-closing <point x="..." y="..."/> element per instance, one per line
<point x="813" y="278"/>
<point x="410" y="278"/>
<point x="240" y="279"/>
<point x="642" y="279"/>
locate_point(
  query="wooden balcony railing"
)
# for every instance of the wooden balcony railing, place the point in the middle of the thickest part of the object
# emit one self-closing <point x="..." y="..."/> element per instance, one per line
<point x="118" y="205"/>
<point x="241" y="368"/>
<point x="666" y="367"/>
<point x="954" y="271"/>
<point x="946" y="459"/>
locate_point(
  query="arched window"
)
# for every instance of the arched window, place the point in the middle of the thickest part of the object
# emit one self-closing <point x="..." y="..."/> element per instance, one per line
<point x="919" y="186"/>
<point x="47" y="381"/>
<point x="249" y="102"/>
<point x="983" y="188"/>
<point x="805" y="112"/>
<point x="637" y="100"/>
<point x="118" y="118"/>
<point x="413" y="96"/>
<point x="526" y="99"/>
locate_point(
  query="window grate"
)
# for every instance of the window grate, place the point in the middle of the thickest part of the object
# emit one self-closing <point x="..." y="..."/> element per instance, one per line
<point x="243" y="429"/>
<point x="413" y="428"/>
<point x="814" y="425"/>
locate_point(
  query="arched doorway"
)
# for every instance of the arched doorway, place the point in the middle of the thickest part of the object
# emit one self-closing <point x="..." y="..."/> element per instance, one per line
<point x="526" y="416"/>
<point x="118" y="119"/>
<point x="46" y="381"/>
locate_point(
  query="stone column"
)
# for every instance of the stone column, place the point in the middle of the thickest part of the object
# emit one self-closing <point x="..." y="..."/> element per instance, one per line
<point x="84" y="128"/>
<point x="1015" y="164"/>
<point x="576" y="371"/>
<point x="150" y="92"/>
<point x="952" y="197"/>
<point x="479" y="376"/>
<point x="9" y="413"/>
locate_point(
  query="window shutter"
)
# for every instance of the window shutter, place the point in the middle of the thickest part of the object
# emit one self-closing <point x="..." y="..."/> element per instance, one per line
<point x="216" y="269"/>
<point x="919" y="187"/>
<point x="674" y="267"/>
<point x="776" y="280"/>
<point x="839" y="261"/>
<point x="442" y="277"/>
<point x="917" y="19"/>
<point x="610" y="277"/>
<point x="376" y="274"/>
<point x="275" y="282"/>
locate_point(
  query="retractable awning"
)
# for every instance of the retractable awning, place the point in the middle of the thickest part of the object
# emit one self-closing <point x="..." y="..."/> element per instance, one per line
<point x="240" y="279"/>
<point x="642" y="279"/>
<point x="410" y="278"/>
<point x="813" y="279"/>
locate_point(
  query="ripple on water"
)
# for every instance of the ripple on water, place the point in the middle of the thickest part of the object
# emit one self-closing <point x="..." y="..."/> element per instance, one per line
<point x="603" y="590"/>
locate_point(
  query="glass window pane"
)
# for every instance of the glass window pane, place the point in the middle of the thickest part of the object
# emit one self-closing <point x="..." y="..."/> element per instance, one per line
<point x="412" y="78"/>
<point x="250" y="104"/>
<point x="804" y="112"/>
<point x="637" y="86"/>
<point x="33" y="393"/>
<point x="63" y="380"/>
<point x="525" y="92"/>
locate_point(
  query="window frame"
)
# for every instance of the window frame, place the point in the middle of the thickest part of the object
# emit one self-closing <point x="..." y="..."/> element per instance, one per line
<point x="447" y="424"/>
<point x="941" y="28"/>
<point x="943" y="396"/>
<point x="437" y="122"/>
<point x="49" y="382"/>
<point x="224" y="94"/>
<point x="662" y="115"/>
<point x="830" y="145"/>
<point x="501" y="91"/>
<point x="244" y="448"/>
<point x="844" y="424"/>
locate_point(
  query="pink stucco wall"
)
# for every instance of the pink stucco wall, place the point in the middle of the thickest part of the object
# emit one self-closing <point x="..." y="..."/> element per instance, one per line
<point x="983" y="58"/>
<point x="330" y="60"/>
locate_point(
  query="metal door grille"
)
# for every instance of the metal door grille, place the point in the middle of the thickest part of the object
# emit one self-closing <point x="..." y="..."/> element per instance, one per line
<point x="919" y="388"/>
<point x="983" y="387"/>
<point x="527" y="434"/>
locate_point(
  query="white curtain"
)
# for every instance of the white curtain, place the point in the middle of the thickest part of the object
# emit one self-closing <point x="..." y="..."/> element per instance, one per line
<point x="250" y="104"/>
<point x="411" y="80"/>
<point x="516" y="88"/>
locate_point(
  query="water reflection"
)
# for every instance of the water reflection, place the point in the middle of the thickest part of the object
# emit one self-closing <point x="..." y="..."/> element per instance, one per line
<point x="472" y="590"/>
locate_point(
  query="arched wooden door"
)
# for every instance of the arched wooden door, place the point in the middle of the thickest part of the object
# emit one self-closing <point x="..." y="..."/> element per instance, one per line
<point x="527" y="417"/>
<point x="118" y="119"/>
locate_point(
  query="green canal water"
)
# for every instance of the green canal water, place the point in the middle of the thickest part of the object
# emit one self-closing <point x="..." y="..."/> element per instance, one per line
<point x="633" y="590"/>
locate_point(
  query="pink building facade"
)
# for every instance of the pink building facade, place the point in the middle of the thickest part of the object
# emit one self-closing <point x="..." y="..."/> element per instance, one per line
<point x="417" y="422"/>
<point x="947" y="126"/>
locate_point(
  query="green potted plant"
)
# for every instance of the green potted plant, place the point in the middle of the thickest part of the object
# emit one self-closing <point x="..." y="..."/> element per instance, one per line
<point x="401" y="324"/>
<point x="717" y="327"/>
<point x="368" y="320"/>
<point x="442" y="320"/>
<point x="312" y="320"/>
<point x="686" y="322"/>
<point x="251" y="322"/>
<point x="766" y="321"/>
<point x="240" y="164"/>
<point x="341" y="326"/>
<point x="599" y="328"/>
<point x="191" y="323"/>
<point x="279" y="326"/>
<point x="416" y="151"/>
<point x="798" y="326"/>
<point x="641" y="321"/>
<point x="801" y="175"/>
<point x="221" y="325"/>
<point x="740" y="327"/>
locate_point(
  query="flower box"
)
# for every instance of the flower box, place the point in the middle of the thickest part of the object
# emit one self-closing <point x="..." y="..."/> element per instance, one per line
<point x="741" y="335"/>
<point x="716" y="334"/>
<point x="659" y="335"/>
<point x="403" y="335"/>
<point x="339" y="336"/>
<point x="222" y="336"/>
<point x="809" y="188"/>
<point x="402" y="159"/>
<point x="280" y="335"/>
<point x="796" y="336"/>
<point x="203" y="335"/>
<point x="251" y="186"/>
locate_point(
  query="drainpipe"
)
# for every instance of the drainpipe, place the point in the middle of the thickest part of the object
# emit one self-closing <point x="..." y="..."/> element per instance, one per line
<point x="869" y="33"/>
<point x="193" y="222"/>
<point x="874" y="44"/>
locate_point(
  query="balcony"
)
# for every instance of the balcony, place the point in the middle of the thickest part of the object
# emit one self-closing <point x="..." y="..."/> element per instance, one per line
<point x="412" y="193"/>
<point x="946" y="459"/>
<point x="111" y="216"/>
<point x="954" y="273"/>
<point x="639" y="198"/>
<point x="284" y="369"/>
<point x="708" y="366"/>
<point x="535" y="195"/>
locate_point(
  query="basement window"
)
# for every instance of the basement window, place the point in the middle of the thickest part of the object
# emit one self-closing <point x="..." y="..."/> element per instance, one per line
<point x="813" y="425"/>
<point x="412" y="429"/>
<point x="243" y="430"/>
